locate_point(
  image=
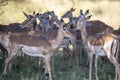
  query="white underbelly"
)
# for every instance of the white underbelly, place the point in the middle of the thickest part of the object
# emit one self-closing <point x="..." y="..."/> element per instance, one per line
<point x="33" y="51"/>
<point x="102" y="53"/>
<point x="98" y="50"/>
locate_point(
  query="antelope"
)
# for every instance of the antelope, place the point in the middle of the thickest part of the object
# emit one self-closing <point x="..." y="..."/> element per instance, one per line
<point x="34" y="46"/>
<point x="53" y="18"/>
<point x="97" y="26"/>
<point x="51" y="33"/>
<point x="44" y="22"/>
<point x="13" y="27"/>
<point x="31" y="19"/>
<point x="73" y="22"/>
<point x="69" y="14"/>
<point x="99" y="45"/>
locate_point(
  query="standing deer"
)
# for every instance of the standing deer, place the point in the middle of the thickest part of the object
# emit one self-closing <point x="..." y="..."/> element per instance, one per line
<point x="100" y="45"/>
<point x="34" y="46"/>
<point x="51" y="33"/>
<point x="72" y="22"/>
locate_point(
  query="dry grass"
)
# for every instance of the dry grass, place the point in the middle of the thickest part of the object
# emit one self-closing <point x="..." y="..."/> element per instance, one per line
<point x="106" y="11"/>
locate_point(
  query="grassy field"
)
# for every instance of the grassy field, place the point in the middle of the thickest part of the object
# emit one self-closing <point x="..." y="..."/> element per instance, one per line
<point x="106" y="11"/>
<point x="29" y="69"/>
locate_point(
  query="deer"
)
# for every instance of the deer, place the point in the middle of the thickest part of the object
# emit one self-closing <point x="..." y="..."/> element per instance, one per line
<point x="51" y="33"/>
<point x="53" y="18"/>
<point x="34" y="46"/>
<point x="73" y="20"/>
<point x="69" y="14"/>
<point x="97" y="26"/>
<point x="44" y="22"/>
<point x="99" y="45"/>
<point x="13" y="27"/>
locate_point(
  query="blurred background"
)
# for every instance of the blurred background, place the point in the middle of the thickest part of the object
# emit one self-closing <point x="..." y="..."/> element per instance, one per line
<point x="108" y="11"/>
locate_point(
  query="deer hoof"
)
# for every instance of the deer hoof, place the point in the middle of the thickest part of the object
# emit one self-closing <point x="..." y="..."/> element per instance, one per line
<point x="70" y="67"/>
<point x="3" y="75"/>
<point x="65" y="58"/>
<point x="46" y="75"/>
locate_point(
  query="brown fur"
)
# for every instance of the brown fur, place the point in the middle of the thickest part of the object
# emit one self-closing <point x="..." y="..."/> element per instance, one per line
<point x="28" y="40"/>
<point x="98" y="39"/>
<point x="95" y="26"/>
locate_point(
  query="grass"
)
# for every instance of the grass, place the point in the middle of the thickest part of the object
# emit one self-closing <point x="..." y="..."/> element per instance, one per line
<point x="31" y="70"/>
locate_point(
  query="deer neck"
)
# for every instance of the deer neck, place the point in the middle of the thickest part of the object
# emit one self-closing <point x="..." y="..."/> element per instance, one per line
<point x="84" y="33"/>
<point x="58" y="40"/>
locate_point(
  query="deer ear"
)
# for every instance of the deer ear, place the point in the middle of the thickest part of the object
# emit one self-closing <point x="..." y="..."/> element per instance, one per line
<point x="87" y="18"/>
<point x="81" y="13"/>
<point x="25" y="14"/>
<point x="73" y="9"/>
<point x="86" y="12"/>
<point x="33" y="12"/>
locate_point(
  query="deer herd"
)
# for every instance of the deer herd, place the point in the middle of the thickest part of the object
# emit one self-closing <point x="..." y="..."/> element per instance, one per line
<point x="40" y="35"/>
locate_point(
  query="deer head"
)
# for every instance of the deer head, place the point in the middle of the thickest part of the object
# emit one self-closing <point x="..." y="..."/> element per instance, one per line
<point x="30" y="21"/>
<point x="82" y="19"/>
<point x="69" y="14"/>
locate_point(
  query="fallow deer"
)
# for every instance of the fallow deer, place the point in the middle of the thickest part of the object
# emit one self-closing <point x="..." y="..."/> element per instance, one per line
<point x="100" y="45"/>
<point x="34" y="46"/>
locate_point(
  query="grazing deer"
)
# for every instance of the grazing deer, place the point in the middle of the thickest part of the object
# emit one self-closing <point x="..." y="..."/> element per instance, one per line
<point x="33" y="46"/>
<point x="100" y="45"/>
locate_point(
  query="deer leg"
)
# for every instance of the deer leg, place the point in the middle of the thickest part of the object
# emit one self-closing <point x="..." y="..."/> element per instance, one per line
<point x="118" y="72"/>
<point x="48" y="61"/>
<point x="116" y="76"/>
<point x="75" y="50"/>
<point x="7" y="62"/>
<point x="69" y="56"/>
<point x="80" y="50"/>
<point x="90" y="55"/>
<point x="96" y="61"/>
<point x="52" y="65"/>
<point x="114" y="62"/>
<point x="65" y="53"/>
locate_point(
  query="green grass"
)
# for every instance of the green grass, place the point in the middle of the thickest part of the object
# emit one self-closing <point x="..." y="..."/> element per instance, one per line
<point x="31" y="70"/>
